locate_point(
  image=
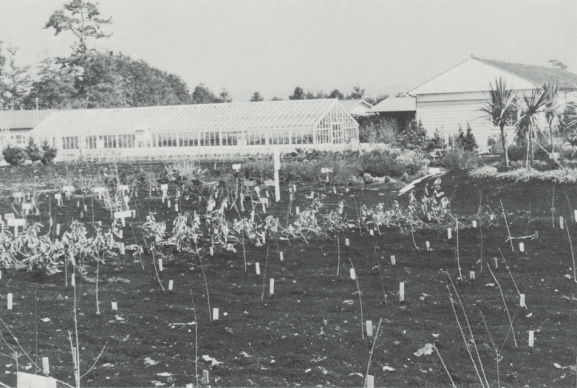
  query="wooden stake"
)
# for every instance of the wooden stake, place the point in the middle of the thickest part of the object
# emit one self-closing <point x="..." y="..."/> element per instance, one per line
<point x="370" y="381"/>
<point x="215" y="314"/>
<point x="175" y="207"/>
<point x="73" y="281"/>
<point x="521" y="247"/>
<point x="211" y="250"/>
<point x="427" y="245"/>
<point x="346" y="242"/>
<point x="160" y="268"/>
<point x="9" y="301"/>
<point x="449" y="233"/>
<point x="45" y="366"/>
<point x="531" y="338"/>
<point x="353" y="274"/>
<point x="170" y="285"/>
<point x="85" y="207"/>
<point x="205" y="378"/>
<point x="369" y="328"/>
<point x="297" y="211"/>
<point x="402" y="292"/>
<point x="393" y="261"/>
<point x="281" y="256"/>
<point x="271" y="287"/>
<point x="58" y="229"/>
<point x="372" y="232"/>
<point x="474" y="224"/>
<point x="561" y="225"/>
<point x="257" y="268"/>
<point x="496" y="262"/>
<point x="114" y="306"/>
<point x="522" y="300"/>
<point x="472" y="275"/>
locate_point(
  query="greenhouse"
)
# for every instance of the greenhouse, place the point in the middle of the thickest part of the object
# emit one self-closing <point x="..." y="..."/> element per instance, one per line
<point x="203" y="129"/>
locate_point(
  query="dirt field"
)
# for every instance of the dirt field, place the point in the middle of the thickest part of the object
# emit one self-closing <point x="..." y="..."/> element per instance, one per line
<point x="310" y="333"/>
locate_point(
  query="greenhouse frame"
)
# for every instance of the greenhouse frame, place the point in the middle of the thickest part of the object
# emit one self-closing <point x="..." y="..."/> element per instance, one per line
<point x="201" y="130"/>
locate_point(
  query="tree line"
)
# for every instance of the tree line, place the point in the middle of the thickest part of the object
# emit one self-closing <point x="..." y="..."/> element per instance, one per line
<point x="88" y="78"/>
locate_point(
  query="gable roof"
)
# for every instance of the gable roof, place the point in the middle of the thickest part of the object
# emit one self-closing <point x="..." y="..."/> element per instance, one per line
<point x="263" y="115"/>
<point x="539" y="75"/>
<point x="22" y="119"/>
<point x="350" y="104"/>
<point x="395" y="104"/>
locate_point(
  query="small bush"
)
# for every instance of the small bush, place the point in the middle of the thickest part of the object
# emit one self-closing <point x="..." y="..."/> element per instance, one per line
<point x="415" y="136"/>
<point x="33" y="150"/>
<point x="466" y="141"/>
<point x="527" y="174"/>
<point x="393" y="162"/>
<point x="460" y="159"/>
<point x="14" y="155"/>
<point x="48" y="153"/>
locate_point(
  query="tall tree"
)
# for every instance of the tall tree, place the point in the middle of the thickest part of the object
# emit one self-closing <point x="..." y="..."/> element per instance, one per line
<point x="15" y="80"/>
<point x="336" y="94"/>
<point x="82" y="19"/>
<point x="203" y="95"/>
<point x="500" y="110"/>
<point x="356" y="94"/>
<point x="559" y="64"/>
<point x="54" y="88"/>
<point x="224" y="96"/>
<point x="298" y="94"/>
<point x="256" y="97"/>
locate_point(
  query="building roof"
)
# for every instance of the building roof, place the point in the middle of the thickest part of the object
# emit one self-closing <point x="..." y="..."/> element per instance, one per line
<point x="395" y="104"/>
<point x="477" y="75"/>
<point x="22" y="119"/>
<point x="540" y="75"/>
<point x="356" y="107"/>
<point x="290" y="114"/>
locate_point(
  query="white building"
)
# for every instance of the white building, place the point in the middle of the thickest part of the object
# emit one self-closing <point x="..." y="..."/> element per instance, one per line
<point x="202" y="129"/>
<point x="455" y="97"/>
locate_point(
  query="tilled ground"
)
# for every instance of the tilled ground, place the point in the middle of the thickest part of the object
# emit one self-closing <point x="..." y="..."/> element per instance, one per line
<point x="310" y="333"/>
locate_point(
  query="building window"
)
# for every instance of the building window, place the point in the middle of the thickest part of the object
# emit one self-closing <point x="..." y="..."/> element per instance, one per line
<point x="91" y="142"/>
<point x="188" y="139"/>
<point x="209" y="139"/>
<point x="303" y="136"/>
<point x="230" y="138"/>
<point x="323" y="136"/>
<point x="70" y="143"/>
<point x="126" y="141"/>
<point x="166" y="140"/>
<point x="279" y="137"/>
<point x="256" y="138"/>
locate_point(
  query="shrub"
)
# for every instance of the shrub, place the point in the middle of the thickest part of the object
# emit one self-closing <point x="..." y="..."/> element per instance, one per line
<point x="48" y="153"/>
<point x="33" y="150"/>
<point x="378" y="130"/>
<point x="460" y="159"/>
<point x="415" y="136"/>
<point x="14" y="155"/>
<point x="466" y="142"/>
<point x="436" y="142"/>
<point x="527" y="174"/>
<point x="393" y="162"/>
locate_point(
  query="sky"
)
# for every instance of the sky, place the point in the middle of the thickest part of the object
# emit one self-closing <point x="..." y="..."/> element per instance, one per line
<point x="272" y="46"/>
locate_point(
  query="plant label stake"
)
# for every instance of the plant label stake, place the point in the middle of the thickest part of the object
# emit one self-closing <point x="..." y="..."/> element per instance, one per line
<point x="58" y="229"/>
<point x="474" y="224"/>
<point x="561" y="222"/>
<point x="536" y="235"/>
<point x="205" y="378"/>
<point x="123" y="188"/>
<point x="393" y="261"/>
<point x="81" y="214"/>
<point x="169" y="203"/>
<point x="16" y="222"/>
<point x="271" y="287"/>
<point x="257" y="268"/>
<point x="122" y="215"/>
<point x="170" y="285"/>
<point x="252" y="216"/>
<point x="78" y="204"/>
<point x="294" y="188"/>
<point x="164" y="189"/>
<point x="215" y="314"/>
<point x="45" y="365"/>
<point x="51" y="222"/>
<point x="160" y="268"/>
<point x="58" y="198"/>
<point x="402" y="292"/>
<point x="18" y="196"/>
<point x="496" y="262"/>
<point x="334" y="190"/>
<point x="9" y="301"/>
<point x="267" y="194"/>
<point x="346" y="242"/>
<point x="26" y="207"/>
<point x="353" y="274"/>
<point x="521" y="247"/>
<point x="427" y="245"/>
<point x="189" y="385"/>
<point x="122" y="251"/>
<point x="341" y="208"/>
<point x="472" y="275"/>
<point x="491" y="217"/>
<point x="85" y="207"/>
<point x="99" y="191"/>
<point x="449" y="233"/>
<point x="68" y="190"/>
<point x="522" y="300"/>
<point x="126" y="199"/>
<point x="280" y="255"/>
<point x="531" y="338"/>
<point x="176" y="207"/>
<point x="114" y="306"/>
<point x="236" y="167"/>
<point x="370" y="381"/>
<point x="121" y="234"/>
<point x="0" y="274"/>
<point x="73" y="281"/>
<point x="369" y="328"/>
<point x="211" y="250"/>
<point x="372" y="232"/>
<point x="297" y="210"/>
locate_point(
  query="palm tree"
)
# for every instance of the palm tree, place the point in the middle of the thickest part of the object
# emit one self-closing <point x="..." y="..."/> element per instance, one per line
<point x="536" y="107"/>
<point x="501" y="110"/>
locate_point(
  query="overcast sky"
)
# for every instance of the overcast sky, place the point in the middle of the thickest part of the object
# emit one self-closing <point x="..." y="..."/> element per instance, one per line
<point x="272" y="46"/>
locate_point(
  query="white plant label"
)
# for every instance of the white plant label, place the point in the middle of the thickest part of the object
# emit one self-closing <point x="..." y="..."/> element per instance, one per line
<point x="45" y="365"/>
<point x="160" y="267"/>
<point x="346" y="242"/>
<point x="9" y="301"/>
<point x="215" y="314"/>
<point x="401" y="292"/>
<point x="369" y="328"/>
<point x="522" y="300"/>
<point x="521" y="247"/>
<point x="353" y="274"/>
<point x="449" y="233"/>
<point x="474" y="224"/>
<point x="281" y="257"/>
<point x="472" y="275"/>
<point x="257" y="268"/>
<point x="170" y="285"/>
<point x="271" y="286"/>
<point x="393" y="260"/>
<point x="561" y="225"/>
<point x="114" y="306"/>
<point x="531" y="338"/>
<point x="9" y="216"/>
